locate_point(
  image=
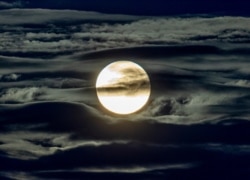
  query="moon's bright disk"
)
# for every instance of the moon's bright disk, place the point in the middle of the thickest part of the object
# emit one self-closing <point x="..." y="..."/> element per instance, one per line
<point x="123" y="87"/>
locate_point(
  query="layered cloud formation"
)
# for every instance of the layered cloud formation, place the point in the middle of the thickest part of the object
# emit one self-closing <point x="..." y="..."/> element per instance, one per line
<point x="44" y="33"/>
<point x="52" y="125"/>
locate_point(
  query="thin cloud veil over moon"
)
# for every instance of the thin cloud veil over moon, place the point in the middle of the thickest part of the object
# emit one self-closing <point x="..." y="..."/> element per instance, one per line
<point x="123" y="87"/>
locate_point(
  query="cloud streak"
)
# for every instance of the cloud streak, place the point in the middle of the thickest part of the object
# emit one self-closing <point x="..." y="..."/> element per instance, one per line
<point x="7" y="5"/>
<point x="77" y="33"/>
<point x="20" y="95"/>
<point x="28" y="145"/>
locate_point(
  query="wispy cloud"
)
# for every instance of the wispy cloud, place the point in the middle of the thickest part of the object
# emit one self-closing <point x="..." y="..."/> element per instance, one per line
<point x="132" y="169"/>
<point x="16" y="4"/>
<point x="31" y="145"/>
<point x="111" y="31"/>
<point x="41" y="16"/>
<point x="240" y="83"/>
<point x="10" y="77"/>
<point x="20" y="95"/>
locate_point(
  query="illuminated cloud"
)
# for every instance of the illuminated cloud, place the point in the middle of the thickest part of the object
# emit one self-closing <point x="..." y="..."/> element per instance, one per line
<point x="20" y="95"/>
<point x="29" y="145"/>
<point x="10" y="77"/>
<point x="77" y="34"/>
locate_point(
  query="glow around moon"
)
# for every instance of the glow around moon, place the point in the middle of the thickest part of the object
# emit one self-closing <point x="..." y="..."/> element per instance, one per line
<point x="123" y="87"/>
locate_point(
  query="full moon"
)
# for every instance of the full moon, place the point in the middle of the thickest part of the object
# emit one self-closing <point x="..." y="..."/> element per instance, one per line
<point x="123" y="87"/>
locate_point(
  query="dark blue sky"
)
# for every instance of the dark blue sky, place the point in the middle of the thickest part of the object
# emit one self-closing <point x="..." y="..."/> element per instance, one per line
<point x="149" y="7"/>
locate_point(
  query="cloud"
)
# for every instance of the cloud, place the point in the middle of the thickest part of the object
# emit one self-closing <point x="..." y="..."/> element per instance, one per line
<point x="49" y="138"/>
<point x="43" y="16"/>
<point x="240" y="83"/>
<point x="172" y="31"/>
<point x="20" y="95"/>
<point x="18" y="175"/>
<point x="10" y="77"/>
<point x="43" y="36"/>
<point x="135" y="169"/>
<point x="24" y="94"/>
<point x="19" y="145"/>
<point x="16" y="4"/>
<point x="188" y="107"/>
<point x="198" y="112"/>
<point x="33" y="145"/>
<point x="60" y="32"/>
<point x="183" y="91"/>
<point x="60" y="45"/>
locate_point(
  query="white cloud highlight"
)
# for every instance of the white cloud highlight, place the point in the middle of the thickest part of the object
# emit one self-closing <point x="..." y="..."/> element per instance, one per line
<point x="20" y="95"/>
<point x="10" y="77"/>
<point x="136" y="169"/>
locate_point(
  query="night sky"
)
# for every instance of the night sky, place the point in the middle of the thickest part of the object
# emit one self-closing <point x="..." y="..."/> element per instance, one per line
<point x="196" y="124"/>
<point x="142" y="7"/>
<point x="157" y="7"/>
